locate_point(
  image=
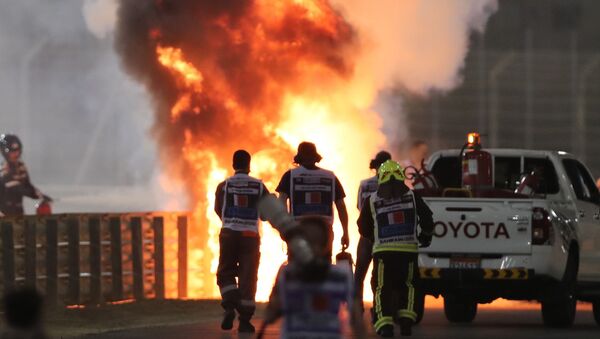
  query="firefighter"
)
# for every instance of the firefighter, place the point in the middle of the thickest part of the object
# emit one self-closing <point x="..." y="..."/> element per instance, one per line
<point x="365" y="246"/>
<point x="312" y="191"/>
<point x="236" y="204"/>
<point x="14" y="178"/>
<point x="310" y="302"/>
<point x="390" y="218"/>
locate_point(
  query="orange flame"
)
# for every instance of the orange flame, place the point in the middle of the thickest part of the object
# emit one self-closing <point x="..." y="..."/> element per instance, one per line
<point x="189" y="77"/>
<point x="314" y="97"/>
<point x="264" y="75"/>
<point x="173" y="59"/>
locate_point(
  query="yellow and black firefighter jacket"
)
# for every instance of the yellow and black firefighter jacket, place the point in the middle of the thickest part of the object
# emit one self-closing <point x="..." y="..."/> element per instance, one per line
<point x="392" y="223"/>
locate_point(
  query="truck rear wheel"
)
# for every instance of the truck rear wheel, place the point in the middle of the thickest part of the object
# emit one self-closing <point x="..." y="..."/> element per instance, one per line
<point x="596" y="308"/>
<point x="559" y="311"/>
<point x="459" y="310"/>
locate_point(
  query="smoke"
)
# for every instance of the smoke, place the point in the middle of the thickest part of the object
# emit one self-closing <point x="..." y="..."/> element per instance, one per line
<point x="83" y="121"/>
<point x="264" y="75"/>
<point x="419" y="44"/>
<point x="412" y="47"/>
<point x="245" y="79"/>
<point x="100" y="16"/>
<point x="258" y="75"/>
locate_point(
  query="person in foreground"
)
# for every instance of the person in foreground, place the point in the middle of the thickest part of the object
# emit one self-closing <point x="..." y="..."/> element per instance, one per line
<point x="389" y="218"/>
<point x="23" y="308"/>
<point x="310" y="301"/>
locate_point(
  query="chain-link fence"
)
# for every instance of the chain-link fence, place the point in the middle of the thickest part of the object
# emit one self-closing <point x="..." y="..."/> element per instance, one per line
<point x="538" y="99"/>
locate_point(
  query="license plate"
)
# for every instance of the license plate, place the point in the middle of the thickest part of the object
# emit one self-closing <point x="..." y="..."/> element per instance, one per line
<point x="465" y="262"/>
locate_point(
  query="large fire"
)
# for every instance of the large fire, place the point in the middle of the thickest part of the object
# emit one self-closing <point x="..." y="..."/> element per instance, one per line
<point x="264" y="75"/>
<point x="260" y="75"/>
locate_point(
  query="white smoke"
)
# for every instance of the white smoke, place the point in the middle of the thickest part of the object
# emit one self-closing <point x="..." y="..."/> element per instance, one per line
<point x="100" y="16"/>
<point x="84" y="123"/>
<point x="422" y="44"/>
<point x="414" y="45"/>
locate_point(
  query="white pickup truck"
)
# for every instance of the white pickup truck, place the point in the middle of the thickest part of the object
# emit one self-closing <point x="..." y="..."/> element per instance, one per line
<point x="543" y="247"/>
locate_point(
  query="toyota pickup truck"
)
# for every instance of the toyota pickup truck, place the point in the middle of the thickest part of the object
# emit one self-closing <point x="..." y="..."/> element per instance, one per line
<point x="541" y="245"/>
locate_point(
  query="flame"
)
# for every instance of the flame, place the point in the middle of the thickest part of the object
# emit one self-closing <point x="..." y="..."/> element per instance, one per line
<point x="260" y="75"/>
<point x="189" y="78"/>
<point x="340" y="154"/>
<point x="264" y="75"/>
<point x="173" y="59"/>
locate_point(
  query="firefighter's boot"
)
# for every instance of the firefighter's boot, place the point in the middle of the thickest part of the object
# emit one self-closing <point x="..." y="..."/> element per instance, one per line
<point x="386" y="331"/>
<point x="246" y="327"/>
<point x="228" y="318"/>
<point x="406" y="326"/>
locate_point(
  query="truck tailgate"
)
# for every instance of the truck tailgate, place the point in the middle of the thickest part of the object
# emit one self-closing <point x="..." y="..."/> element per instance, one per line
<point x="480" y="226"/>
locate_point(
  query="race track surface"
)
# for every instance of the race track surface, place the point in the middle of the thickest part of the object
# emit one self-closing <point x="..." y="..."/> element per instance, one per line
<point x="491" y="322"/>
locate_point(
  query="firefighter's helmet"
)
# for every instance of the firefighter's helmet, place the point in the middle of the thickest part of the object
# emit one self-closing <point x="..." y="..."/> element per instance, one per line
<point x="10" y="143"/>
<point x="390" y="169"/>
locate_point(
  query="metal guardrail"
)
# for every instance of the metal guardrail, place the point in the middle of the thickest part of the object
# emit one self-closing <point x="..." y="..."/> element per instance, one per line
<point x="79" y="259"/>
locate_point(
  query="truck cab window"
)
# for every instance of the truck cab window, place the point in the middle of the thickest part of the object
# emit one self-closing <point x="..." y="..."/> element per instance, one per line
<point x="507" y="172"/>
<point x="447" y="172"/>
<point x="583" y="184"/>
<point x="545" y="167"/>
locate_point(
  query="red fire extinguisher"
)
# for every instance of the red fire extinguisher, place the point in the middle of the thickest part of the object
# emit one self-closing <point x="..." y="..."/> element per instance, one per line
<point x="44" y="206"/>
<point x="344" y="258"/>
<point x="530" y="183"/>
<point x="476" y="164"/>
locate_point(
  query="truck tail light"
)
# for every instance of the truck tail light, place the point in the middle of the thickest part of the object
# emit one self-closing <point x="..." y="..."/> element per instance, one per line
<point x="541" y="227"/>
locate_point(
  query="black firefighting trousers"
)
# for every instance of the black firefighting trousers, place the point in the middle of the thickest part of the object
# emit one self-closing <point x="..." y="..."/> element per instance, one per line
<point x="239" y="257"/>
<point x="395" y="275"/>
<point x="364" y="255"/>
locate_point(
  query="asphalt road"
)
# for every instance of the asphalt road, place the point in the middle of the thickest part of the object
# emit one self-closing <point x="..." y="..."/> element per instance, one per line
<point x="491" y="322"/>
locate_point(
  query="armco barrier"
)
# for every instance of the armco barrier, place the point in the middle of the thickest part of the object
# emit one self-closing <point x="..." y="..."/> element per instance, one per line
<point x="94" y="258"/>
